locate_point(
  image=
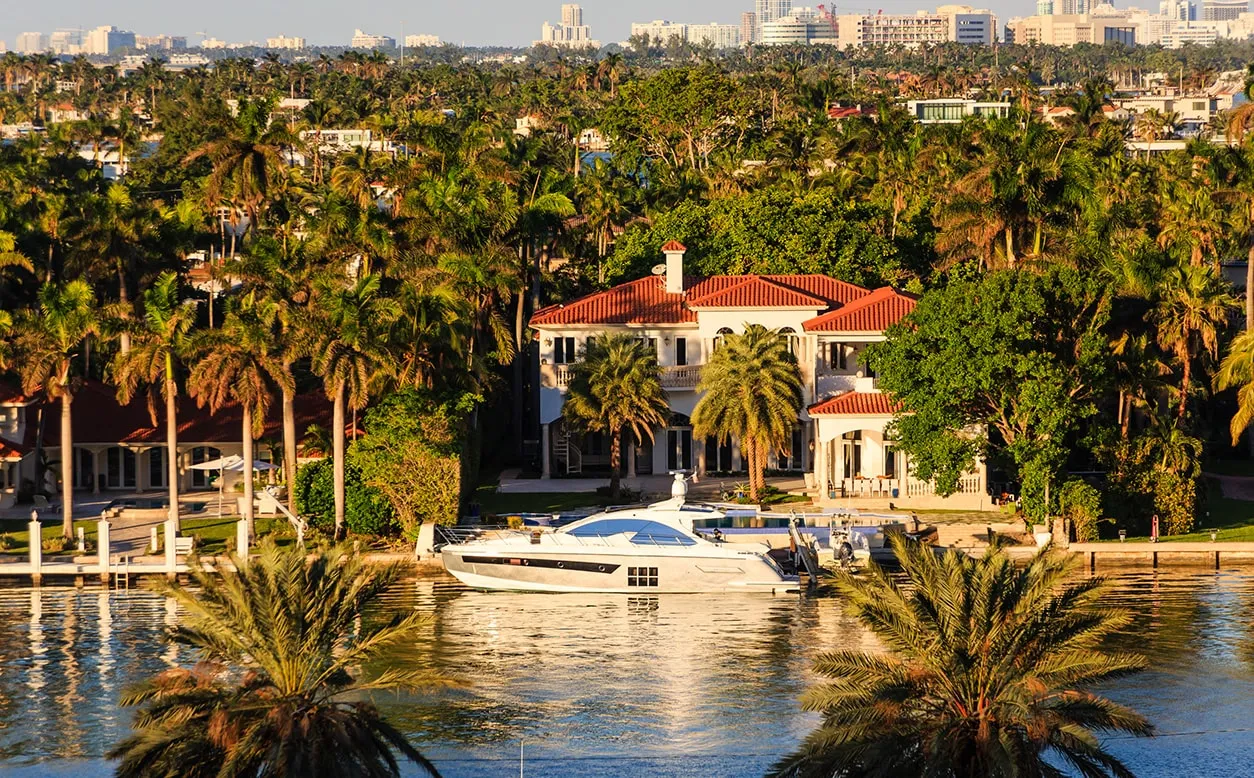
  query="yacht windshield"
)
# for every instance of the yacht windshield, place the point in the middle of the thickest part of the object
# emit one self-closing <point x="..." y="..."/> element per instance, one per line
<point x="644" y="532"/>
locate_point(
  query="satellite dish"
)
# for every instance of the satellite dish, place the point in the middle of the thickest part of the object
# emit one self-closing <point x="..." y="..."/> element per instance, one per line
<point x="659" y="270"/>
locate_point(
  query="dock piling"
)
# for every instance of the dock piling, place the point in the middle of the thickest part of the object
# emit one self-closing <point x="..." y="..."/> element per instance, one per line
<point x="102" y="549"/>
<point x="35" y="532"/>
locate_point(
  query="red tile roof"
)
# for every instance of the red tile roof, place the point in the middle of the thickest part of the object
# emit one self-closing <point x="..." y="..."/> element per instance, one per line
<point x="99" y="419"/>
<point x="855" y="404"/>
<point x="871" y="313"/>
<point x="673" y="245"/>
<point x="10" y="451"/>
<point x="645" y="300"/>
<point x="757" y="292"/>
<point x="11" y="394"/>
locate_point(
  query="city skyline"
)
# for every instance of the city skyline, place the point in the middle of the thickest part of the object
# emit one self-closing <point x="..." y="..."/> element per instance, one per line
<point x="495" y="23"/>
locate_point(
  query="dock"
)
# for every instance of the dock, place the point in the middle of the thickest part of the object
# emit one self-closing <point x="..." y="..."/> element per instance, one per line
<point x="1180" y="553"/>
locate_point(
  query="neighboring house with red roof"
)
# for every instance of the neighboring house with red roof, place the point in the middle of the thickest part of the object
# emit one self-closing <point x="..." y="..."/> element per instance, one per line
<point x="839" y="441"/>
<point x="117" y="447"/>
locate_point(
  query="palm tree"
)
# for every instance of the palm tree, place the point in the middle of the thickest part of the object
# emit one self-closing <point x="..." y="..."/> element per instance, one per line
<point x="236" y="364"/>
<point x="615" y="388"/>
<point x="47" y="344"/>
<point x="983" y="674"/>
<point x="1237" y="371"/>
<point x="349" y="353"/>
<point x="155" y="353"/>
<point x="279" y="690"/>
<point x="751" y="390"/>
<point x="1192" y="311"/>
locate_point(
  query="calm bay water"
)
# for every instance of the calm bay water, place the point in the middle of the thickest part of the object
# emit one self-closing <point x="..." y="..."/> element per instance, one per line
<point x="613" y="685"/>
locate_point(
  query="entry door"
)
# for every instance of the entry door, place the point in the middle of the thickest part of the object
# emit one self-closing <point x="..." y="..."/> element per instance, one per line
<point x="679" y="449"/>
<point x="851" y="445"/>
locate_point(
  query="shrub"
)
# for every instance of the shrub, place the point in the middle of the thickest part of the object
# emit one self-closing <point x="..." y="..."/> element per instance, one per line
<point x="1175" y="500"/>
<point x="1082" y="505"/>
<point x="365" y="510"/>
<point x="7" y="542"/>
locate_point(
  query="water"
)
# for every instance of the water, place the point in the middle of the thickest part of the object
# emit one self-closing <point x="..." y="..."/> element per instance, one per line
<point x="610" y="685"/>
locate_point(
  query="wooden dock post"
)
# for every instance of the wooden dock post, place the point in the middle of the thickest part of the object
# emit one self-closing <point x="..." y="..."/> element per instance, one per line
<point x="102" y="549"/>
<point x="171" y="559"/>
<point x="241" y="540"/>
<point x="35" y="530"/>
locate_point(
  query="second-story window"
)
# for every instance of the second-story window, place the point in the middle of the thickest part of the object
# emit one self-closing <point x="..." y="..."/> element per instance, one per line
<point x="563" y="351"/>
<point x="681" y="351"/>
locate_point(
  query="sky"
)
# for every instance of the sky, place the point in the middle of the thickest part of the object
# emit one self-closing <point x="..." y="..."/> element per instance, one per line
<point x="331" y="22"/>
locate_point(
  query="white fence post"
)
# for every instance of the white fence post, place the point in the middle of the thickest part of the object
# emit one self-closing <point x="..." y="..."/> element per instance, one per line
<point x="102" y="549"/>
<point x="35" y="529"/>
<point x="153" y="542"/>
<point x="241" y="540"/>
<point x="171" y="560"/>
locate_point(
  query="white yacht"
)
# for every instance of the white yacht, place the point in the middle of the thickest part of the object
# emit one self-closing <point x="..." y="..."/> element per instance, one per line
<point x="636" y="550"/>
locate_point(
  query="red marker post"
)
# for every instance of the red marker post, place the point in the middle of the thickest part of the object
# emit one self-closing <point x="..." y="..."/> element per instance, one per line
<point x="1154" y="530"/>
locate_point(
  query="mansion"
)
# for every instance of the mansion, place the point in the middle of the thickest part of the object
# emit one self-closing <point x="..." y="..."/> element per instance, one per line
<point x="839" y="442"/>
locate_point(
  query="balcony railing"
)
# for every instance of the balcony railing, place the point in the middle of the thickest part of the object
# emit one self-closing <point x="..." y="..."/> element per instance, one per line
<point x="678" y="377"/>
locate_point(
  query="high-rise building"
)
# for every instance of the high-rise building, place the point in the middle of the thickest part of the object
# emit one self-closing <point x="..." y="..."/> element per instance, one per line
<point x="1044" y="7"/>
<point x="770" y="10"/>
<point x="748" y="27"/>
<point x="1223" y="10"/>
<point x="949" y="23"/>
<point x="720" y="36"/>
<point x="364" y="40"/>
<point x="31" y="43"/>
<point x="568" y="35"/>
<point x="285" y="42"/>
<point x="166" y="42"/>
<point x="1177" y="10"/>
<point x="108" y="39"/>
<point x="66" y="42"/>
<point x="1071" y="7"/>
<point x="659" y="31"/>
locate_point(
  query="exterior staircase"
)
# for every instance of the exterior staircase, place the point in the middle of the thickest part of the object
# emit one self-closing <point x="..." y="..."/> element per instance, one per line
<point x="566" y="452"/>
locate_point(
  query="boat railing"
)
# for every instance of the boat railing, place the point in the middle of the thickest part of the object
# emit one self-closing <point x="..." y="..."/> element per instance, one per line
<point x="456" y="536"/>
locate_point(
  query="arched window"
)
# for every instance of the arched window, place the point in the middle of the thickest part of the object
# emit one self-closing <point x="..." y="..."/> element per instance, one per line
<point x="791" y="339"/>
<point x="722" y="333"/>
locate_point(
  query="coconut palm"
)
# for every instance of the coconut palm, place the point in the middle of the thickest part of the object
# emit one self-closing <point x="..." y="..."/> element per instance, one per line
<point x="349" y="353"/>
<point x="156" y="351"/>
<point x="1192" y="310"/>
<point x="279" y="690"/>
<point x="983" y="674"/>
<point x="1237" y="372"/>
<point x="616" y="388"/>
<point x="236" y="364"/>
<point x="47" y="343"/>
<point x="750" y="390"/>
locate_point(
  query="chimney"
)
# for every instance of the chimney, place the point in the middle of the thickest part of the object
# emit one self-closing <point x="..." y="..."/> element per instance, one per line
<point x="674" y="251"/>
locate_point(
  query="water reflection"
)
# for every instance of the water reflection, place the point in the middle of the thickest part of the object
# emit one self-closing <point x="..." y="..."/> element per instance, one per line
<point x="613" y="685"/>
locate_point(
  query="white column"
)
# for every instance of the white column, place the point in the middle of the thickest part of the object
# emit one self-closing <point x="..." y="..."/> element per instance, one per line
<point x="241" y="541"/>
<point x="545" y="452"/>
<point x="102" y="549"/>
<point x="170" y="559"/>
<point x="36" y="547"/>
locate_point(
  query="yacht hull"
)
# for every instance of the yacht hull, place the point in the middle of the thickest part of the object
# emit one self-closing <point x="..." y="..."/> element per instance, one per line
<point x="539" y="569"/>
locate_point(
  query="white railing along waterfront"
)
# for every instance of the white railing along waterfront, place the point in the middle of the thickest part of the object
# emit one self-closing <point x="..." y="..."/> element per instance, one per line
<point x="671" y="376"/>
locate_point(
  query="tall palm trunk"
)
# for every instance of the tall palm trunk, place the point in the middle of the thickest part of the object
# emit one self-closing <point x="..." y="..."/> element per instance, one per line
<point x="1186" y="374"/>
<point x="337" y="458"/>
<point x="248" y="469"/>
<point x="124" y="339"/>
<point x="67" y="469"/>
<point x="289" y="447"/>
<point x="172" y="442"/>
<point x="616" y="462"/>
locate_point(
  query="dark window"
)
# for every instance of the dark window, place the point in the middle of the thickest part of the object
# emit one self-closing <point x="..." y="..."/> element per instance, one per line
<point x="681" y="351"/>
<point x="836" y="356"/>
<point x="588" y="345"/>
<point x="563" y="351"/>
<point x="642" y="576"/>
<point x="121" y="468"/>
<point x="890" y="462"/>
<point x="156" y="467"/>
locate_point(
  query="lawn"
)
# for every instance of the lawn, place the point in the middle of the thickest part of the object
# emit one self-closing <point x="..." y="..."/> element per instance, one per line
<point x="1233" y="518"/>
<point x="492" y="503"/>
<point x="211" y="532"/>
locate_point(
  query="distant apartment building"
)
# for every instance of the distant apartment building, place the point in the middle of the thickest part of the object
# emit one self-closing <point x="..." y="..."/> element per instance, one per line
<point x="108" y="39"/>
<point x="163" y="42"/>
<point x="949" y="23"/>
<point x="213" y="43"/>
<point x="365" y="40"/>
<point x="419" y="41"/>
<point x="66" y="42"/>
<point x="1044" y="7"/>
<point x="661" y="31"/>
<point x="800" y="27"/>
<point x="294" y="43"/>
<point x="748" y="27"/>
<point x="1178" y="10"/>
<point x="953" y="110"/>
<point x="1070" y="7"/>
<point x="1070" y="29"/>
<point x="770" y="10"/>
<point x="570" y="33"/>
<point x="31" y="43"/>
<point x="1223" y="10"/>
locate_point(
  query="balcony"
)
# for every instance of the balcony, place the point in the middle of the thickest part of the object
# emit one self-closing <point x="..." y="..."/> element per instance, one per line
<point x="677" y="377"/>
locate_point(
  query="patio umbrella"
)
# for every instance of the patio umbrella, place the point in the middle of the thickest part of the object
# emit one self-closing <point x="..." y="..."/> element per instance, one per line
<point x="231" y="464"/>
